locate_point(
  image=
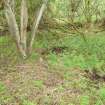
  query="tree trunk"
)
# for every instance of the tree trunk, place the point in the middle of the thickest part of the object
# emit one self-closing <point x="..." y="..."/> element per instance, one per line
<point x="13" y="27"/>
<point x="21" y="37"/>
<point x="36" y="23"/>
<point x="24" y="22"/>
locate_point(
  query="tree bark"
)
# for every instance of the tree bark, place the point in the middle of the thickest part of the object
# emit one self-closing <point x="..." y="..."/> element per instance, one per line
<point x="13" y="27"/>
<point x="36" y="23"/>
<point x="21" y="37"/>
<point x="24" y="23"/>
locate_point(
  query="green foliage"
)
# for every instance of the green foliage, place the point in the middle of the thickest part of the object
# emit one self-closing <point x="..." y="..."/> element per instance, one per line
<point x="60" y="88"/>
<point x="27" y="102"/>
<point x="38" y="83"/>
<point x="53" y="58"/>
<point x="79" y="54"/>
<point x="99" y="102"/>
<point x="62" y="102"/>
<point x="4" y="96"/>
<point x="102" y="94"/>
<point x="84" y="100"/>
<point x="33" y="56"/>
<point x="2" y="87"/>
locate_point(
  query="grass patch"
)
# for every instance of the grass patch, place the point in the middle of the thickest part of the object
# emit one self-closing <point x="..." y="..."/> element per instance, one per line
<point x="80" y="54"/>
<point x="84" y="100"/>
<point x="27" y="102"/>
<point x="4" y="96"/>
<point x="38" y="83"/>
<point x="70" y="86"/>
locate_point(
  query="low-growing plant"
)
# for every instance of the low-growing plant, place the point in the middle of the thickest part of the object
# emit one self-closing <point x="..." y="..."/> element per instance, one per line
<point x="2" y="87"/>
<point x="27" y="102"/>
<point x="38" y="83"/>
<point x="84" y="100"/>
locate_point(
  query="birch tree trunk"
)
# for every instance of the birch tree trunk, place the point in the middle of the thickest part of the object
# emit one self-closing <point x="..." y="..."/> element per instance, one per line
<point x="13" y="27"/>
<point x="36" y="23"/>
<point x="24" y="22"/>
<point x="21" y="37"/>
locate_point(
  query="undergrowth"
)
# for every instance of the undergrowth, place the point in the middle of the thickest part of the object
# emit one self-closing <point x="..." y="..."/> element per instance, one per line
<point x="69" y="52"/>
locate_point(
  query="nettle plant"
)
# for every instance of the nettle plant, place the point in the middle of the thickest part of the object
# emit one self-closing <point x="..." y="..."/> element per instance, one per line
<point x="20" y="35"/>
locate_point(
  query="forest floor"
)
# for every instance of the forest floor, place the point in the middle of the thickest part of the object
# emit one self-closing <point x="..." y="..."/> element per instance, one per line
<point x="67" y="71"/>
